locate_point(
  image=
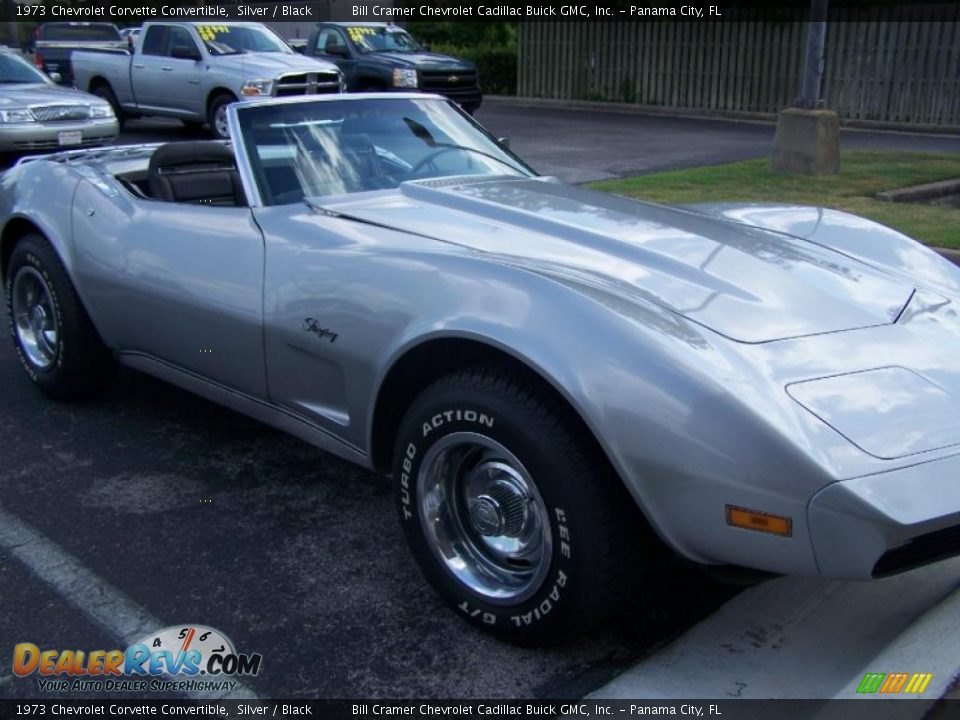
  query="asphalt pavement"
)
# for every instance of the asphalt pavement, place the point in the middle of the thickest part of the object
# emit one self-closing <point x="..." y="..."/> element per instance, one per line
<point x="150" y="505"/>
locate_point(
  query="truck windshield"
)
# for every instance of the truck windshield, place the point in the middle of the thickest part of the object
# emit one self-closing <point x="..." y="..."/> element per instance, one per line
<point x="236" y="39"/>
<point x="91" y="32"/>
<point x="377" y="38"/>
<point x="14" y="70"/>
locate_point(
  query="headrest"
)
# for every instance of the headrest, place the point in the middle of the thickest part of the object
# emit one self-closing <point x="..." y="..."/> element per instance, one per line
<point x="194" y="152"/>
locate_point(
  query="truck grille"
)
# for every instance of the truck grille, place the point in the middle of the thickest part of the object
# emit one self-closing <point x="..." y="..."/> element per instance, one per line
<point x="307" y="84"/>
<point x="61" y="113"/>
<point x="448" y="82"/>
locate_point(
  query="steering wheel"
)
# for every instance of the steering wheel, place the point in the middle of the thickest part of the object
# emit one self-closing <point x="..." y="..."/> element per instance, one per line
<point x="435" y="154"/>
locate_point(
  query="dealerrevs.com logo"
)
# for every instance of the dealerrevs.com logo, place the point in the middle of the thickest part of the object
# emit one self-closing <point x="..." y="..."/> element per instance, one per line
<point x="178" y="658"/>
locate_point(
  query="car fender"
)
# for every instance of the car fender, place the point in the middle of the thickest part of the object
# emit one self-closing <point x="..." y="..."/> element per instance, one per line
<point x="859" y="237"/>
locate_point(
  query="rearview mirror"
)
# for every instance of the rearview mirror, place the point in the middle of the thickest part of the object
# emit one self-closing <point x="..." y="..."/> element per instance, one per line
<point x="182" y="52"/>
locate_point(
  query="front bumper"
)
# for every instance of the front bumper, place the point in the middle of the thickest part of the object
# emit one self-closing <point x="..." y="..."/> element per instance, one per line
<point x="887" y="523"/>
<point x="24" y="137"/>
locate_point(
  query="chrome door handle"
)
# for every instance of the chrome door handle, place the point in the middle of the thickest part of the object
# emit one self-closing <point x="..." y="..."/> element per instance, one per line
<point x="138" y="67"/>
<point x="167" y="68"/>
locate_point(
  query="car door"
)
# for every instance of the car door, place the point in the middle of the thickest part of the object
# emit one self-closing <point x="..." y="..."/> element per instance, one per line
<point x="166" y="76"/>
<point x="180" y="283"/>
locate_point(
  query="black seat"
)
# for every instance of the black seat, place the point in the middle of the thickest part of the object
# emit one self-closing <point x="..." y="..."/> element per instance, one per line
<point x="199" y="172"/>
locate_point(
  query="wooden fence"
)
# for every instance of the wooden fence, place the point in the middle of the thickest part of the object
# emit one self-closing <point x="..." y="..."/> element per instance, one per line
<point x="882" y="69"/>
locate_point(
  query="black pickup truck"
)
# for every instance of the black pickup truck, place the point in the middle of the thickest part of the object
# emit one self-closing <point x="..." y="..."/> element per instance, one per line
<point x="54" y="43"/>
<point x="377" y="57"/>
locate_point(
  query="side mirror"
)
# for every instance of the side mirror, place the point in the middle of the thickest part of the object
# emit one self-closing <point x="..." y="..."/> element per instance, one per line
<point x="56" y="77"/>
<point x="181" y="52"/>
<point x="504" y="141"/>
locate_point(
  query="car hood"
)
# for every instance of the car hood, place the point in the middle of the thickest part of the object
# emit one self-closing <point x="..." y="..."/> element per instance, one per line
<point x="41" y="93"/>
<point x="747" y="284"/>
<point x="422" y="61"/>
<point x="270" y="65"/>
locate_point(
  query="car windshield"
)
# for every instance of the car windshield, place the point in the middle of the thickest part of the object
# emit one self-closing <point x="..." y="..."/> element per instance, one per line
<point x="14" y="70"/>
<point x="379" y="38"/>
<point x="335" y="147"/>
<point x="93" y="32"/>
<point x="236" y="39"/>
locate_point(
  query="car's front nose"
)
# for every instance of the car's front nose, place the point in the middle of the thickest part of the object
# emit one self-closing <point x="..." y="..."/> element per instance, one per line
<point x="26" y="136"/>
<point x="887" y="523"/>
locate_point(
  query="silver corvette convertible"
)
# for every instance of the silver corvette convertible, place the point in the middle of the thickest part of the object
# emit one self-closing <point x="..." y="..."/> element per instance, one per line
<point x="560" y="382"/>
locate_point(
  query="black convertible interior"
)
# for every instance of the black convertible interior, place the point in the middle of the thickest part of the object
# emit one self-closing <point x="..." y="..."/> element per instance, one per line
<point x="198" y="172"/>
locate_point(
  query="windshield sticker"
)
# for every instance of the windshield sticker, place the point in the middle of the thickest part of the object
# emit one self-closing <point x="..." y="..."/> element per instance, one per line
<point x="359" y="32"/>
<point x="208" y="33"/>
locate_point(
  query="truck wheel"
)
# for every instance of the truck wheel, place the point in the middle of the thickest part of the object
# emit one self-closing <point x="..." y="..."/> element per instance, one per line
<point x="511" y="514"/>
<point x="105" y="92"/>
<point x="52" y="333"/>
<point x="217" y="115"/>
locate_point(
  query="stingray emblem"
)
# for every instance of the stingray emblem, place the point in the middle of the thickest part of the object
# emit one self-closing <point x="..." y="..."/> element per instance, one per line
<point x="453" y="79"/>
<point x="311" y="325"/>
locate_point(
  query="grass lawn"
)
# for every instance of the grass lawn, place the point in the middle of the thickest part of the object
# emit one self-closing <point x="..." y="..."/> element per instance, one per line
<point x="862" y="175"/>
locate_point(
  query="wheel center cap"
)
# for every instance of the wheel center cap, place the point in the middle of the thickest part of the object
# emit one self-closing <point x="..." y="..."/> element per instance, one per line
<point x="38" y="317"/>
<point x="486" y="516"/>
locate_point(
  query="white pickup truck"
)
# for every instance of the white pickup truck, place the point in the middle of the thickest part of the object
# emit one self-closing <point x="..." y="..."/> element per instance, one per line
<point x="193" y="70"/>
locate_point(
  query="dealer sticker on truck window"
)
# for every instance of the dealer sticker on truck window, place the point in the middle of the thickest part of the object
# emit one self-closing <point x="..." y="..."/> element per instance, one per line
<point x="70" y="137"/>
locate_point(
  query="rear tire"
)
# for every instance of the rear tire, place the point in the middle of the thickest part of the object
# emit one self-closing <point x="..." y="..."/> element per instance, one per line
<point x="514" y="517"/>
<point x="105" y="92"/>
<point x="54" y="338"/>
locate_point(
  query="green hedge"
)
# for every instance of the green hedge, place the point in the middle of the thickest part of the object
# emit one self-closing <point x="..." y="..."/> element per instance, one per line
<point x="497" y="66"/>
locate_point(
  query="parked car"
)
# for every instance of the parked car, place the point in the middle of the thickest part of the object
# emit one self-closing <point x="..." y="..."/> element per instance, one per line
<point x="377" y="57"/>
<point x="193" y="70"/>
<point x="38" y="114"/>
<point x="545" y="370"/>
<point x="130" y="35"/>
<point x="55" y="42"/>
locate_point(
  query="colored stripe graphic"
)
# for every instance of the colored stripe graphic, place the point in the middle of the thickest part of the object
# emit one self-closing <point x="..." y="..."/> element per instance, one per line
<point x="894" y="683"/>
<point x="918" y="683"/>
<point x="871" y="682"/>
<point x="891" y="683"/>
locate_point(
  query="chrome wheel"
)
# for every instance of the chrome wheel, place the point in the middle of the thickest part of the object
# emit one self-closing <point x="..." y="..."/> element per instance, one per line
<point x="484" y="517"/>
<point x="220" y="125"/>
<point x="34" y="318"/>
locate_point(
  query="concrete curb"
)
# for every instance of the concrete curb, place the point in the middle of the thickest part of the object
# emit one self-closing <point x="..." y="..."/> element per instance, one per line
<point x="755" y="118"/>
<point x="809" y="638"/>
<point x="917" y="193"/>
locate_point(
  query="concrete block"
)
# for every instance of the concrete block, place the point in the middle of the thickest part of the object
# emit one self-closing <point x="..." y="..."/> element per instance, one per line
<point x="807" y="142"/>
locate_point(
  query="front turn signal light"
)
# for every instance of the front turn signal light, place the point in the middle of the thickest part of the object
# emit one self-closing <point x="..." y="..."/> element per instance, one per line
<point x="759" y="521"/>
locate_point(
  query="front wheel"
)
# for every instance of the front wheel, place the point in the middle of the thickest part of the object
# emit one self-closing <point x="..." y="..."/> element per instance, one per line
<point x="55" y="340"/>
<point x="510" y="512"/>
<point x="217" y="115"/>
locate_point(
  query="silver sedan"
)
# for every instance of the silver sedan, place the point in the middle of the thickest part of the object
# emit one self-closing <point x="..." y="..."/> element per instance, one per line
<point x="38" y="114"/>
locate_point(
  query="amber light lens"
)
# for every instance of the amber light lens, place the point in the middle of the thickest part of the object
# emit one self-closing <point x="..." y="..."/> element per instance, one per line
<point x="762" y="522"/>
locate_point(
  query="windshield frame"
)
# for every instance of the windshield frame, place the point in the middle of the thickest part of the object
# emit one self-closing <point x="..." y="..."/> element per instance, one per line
<point x="245" y="164"/>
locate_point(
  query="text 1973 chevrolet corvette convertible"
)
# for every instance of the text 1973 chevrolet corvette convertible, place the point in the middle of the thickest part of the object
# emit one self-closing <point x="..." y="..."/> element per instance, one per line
<point x="544" y="370"/>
